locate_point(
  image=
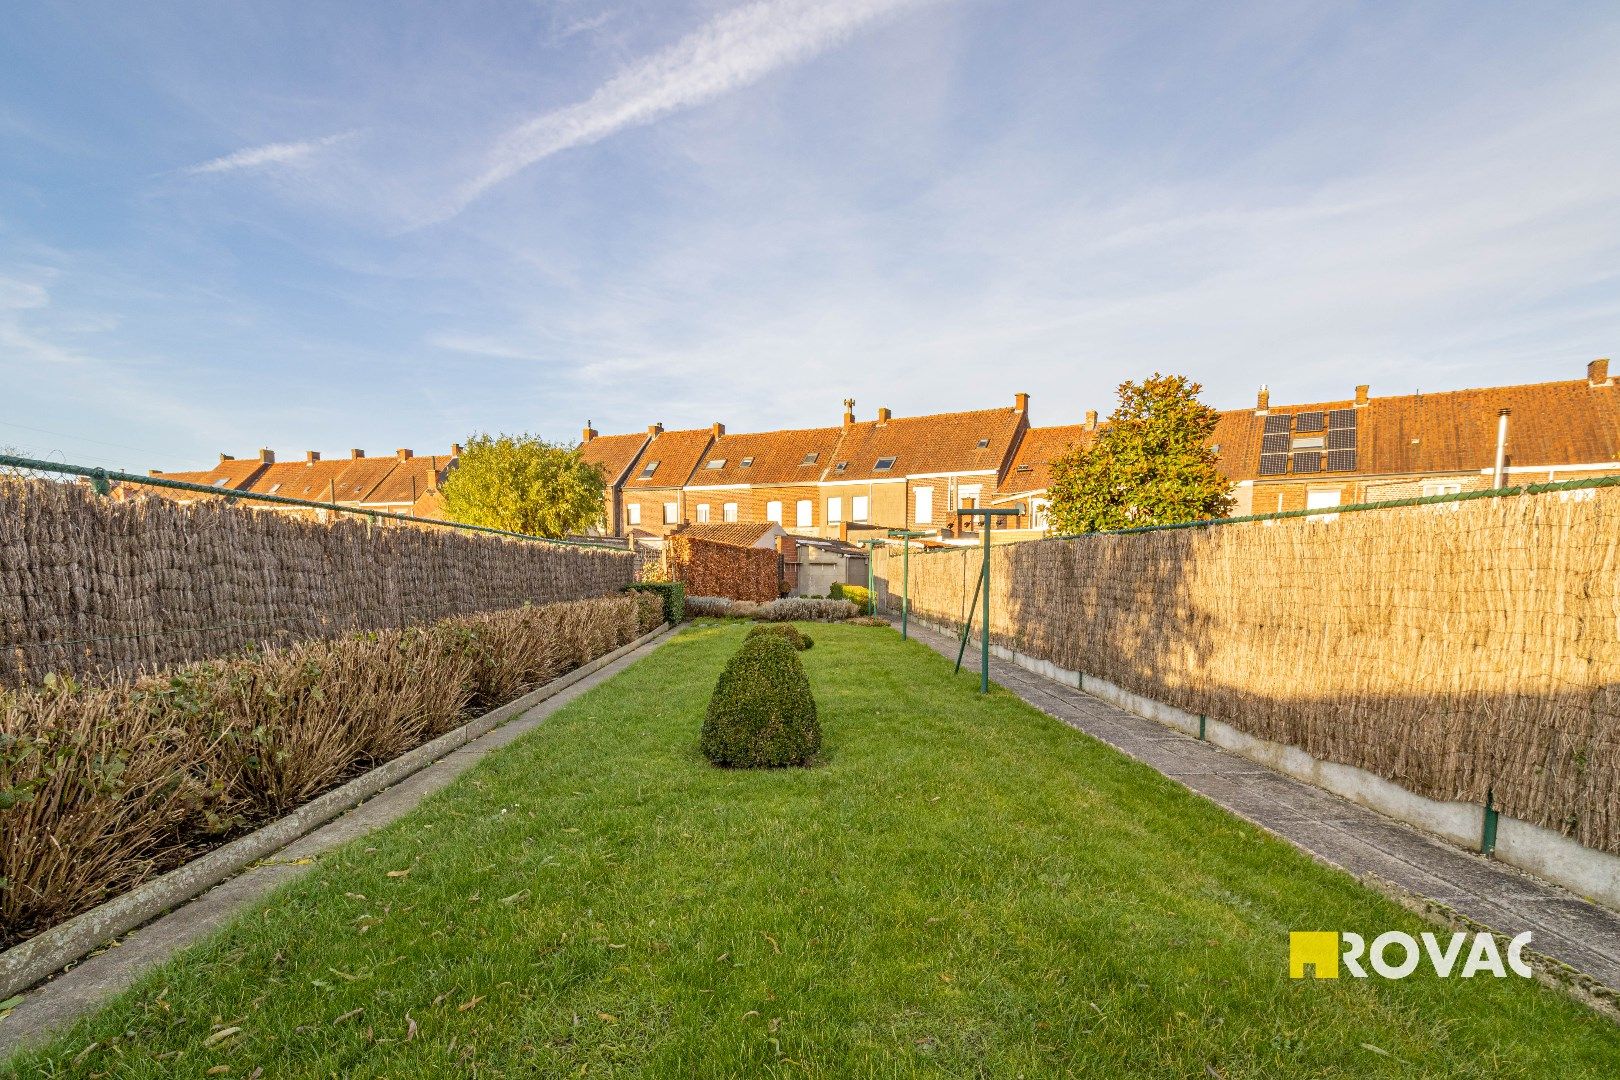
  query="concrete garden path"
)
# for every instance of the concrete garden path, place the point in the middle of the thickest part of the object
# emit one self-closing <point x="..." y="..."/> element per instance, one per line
<point x="1421" y="872"/>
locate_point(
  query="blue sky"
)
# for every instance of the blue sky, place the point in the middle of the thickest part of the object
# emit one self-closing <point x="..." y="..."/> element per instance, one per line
<point x="226" y="225"/>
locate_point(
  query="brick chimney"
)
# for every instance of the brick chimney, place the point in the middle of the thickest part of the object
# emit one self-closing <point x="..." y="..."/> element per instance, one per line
<point x="717" y="430"/>
<point x="1091" y="419"/>
<point x="1597" y="373"/>
<point x="655" y="429"/>
<point x="849" y="412"/>
<point x="588" y="434"/>
<point x="268" y="457"/>
<point x="1262" y="403"/>
<point x="1361" y="395"/>
<point x="356" y="454"/>
<point x="311" y="456"/>
<point x="843" y="531"/>
<point x="455" y="448"/>
<point x="1021" y="402"/>
<point x="883" y="416"/>
<point x="223" y="458"/>
<point x="403" y="453"/>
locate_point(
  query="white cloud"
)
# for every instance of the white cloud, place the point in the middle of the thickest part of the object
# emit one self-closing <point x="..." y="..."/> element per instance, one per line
<point x="253" y="157"/>
<point x="737" y="48"/>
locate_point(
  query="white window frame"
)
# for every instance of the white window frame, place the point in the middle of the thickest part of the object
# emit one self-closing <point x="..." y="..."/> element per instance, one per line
<point x="804" y="513"/>
<point x="835" y="510"/>
<point x="925" y="505"/>
<point x="703" y="513"/>
<point x="969" y="491"/>
<point x="729" y="511"/>
<point x="672" y="513"/>
<point x="773" y="511"/>
<point x="632" y="514"/>
<point x="1315" y="499"/>
<point x="860" y="507"/>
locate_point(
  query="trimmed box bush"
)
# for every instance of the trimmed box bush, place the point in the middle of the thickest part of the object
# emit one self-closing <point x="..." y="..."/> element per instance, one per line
<point x="795" y="637"/>
<point x="674" y="596"/>
<point x="762" y="714"/>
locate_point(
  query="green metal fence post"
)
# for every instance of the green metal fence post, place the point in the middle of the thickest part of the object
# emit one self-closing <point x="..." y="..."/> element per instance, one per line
<point x="989" y="516"/>
<point x="1487" y="838"/>
<point x="905" y="576"/>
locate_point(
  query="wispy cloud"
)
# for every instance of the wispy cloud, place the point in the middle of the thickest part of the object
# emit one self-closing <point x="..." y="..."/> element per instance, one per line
<point x="737" y="48"/>
<point x="254" y="157"/>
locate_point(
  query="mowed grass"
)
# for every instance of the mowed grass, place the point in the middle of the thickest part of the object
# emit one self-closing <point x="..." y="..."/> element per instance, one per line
<point x="964" y="887"/>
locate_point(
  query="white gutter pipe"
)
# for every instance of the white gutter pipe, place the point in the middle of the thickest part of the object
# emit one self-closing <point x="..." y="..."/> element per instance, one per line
<point x="1499" y="477"/>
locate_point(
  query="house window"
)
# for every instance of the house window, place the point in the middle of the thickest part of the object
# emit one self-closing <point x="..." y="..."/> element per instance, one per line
<point x="652" y="467"/>
<point x="672" y="513"/>
<point x="984" y="444"/>
<point x="632" y="514"/>
<point x="810" y="458"/>
<point x="222" y="481"/>
<point x="731" y="511"/>
<point x="803" y="513"/>
<point x="858" y="507"/>
<point x="716" y="463"/>
<point x="273" y="489"/>
<point x="773" y="511"/>
<point x="1319" y="499"/>
<point x="884" y="464"/>
<point x="925" y="505"/>
<point x="747" y="463"/>
<point x="703" y="512"/>
<point x="1443" y="488"/>
<point x="835" y="510"/>
<point x="840" y="467"/>
<point x="967" y="496"/>
<point x="1038" y="513"/>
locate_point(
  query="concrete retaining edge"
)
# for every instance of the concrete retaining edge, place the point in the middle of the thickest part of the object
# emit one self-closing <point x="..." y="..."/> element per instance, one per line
<point x="47" y="952"/>
<point x="1543" y="852"/>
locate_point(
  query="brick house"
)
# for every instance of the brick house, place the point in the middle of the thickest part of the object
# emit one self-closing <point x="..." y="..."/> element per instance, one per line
<point x="654" y="493"/>
<point x="401" y="484"/>
<point x="768" y="476"/>
<point x="613" y="455"/>
<point x="1023" y="486"/>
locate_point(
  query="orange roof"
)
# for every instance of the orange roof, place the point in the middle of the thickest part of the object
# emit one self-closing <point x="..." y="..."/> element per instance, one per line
<point x="410" y="479"/>
<point x="677" y="454"/>
<point x="736" y="533"/>
<point x="360" y="477"/>
<point x="1553" y="423"/>
<point x="941" y="443"/>
<point x="232" y="474"/>
<point x="298" y="479"/>
<point x="613" y="454"/>
<point x="773" y="457"/>
<point x="1031" y="468"/>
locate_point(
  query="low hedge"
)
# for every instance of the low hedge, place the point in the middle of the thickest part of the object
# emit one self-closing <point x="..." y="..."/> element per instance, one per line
<point x="762" y="714"/>
<point x="794" y="636"/>
<point x="859" y="595"/>
<point x="804" y="609"/>
<point x="673" y="594"/>
<point x="104" y="787"/>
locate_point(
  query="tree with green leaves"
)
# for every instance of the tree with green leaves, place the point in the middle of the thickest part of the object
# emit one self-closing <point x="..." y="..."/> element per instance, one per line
<point x="1150" y="464"/>
<point x="524" y="484"/>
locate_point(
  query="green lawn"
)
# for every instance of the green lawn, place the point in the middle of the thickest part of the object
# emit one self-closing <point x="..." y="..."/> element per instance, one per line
<point x="964" y="887"/>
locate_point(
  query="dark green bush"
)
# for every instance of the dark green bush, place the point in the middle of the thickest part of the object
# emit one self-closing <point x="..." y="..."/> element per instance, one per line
<point x="762" y="714"/>
<point x="674" y="594"/>
<point x="795" y="637"/>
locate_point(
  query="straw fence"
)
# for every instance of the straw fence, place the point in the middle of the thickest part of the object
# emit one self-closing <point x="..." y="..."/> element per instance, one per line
<point x="1458" y="650"/>
<point x="91" y="586"/>
<point x="708" y="568"/>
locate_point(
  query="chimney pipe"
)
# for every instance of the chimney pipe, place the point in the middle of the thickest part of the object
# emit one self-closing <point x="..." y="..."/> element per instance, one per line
<point x="1262" y="403"/>
<point x="588" y="434"/>
<point x="655" y="429"/>
<point x="1597" y="373"/>
<point x="717" y="430"/>
<point x="403" y="454"/>
<point x="1091" y="419"/>
<point x="223" y="458"/>
<point x="1501" y="449"/>
<point x="356" y="454"/>
<point x="1021" y="402"/>
<point x="268" y="457"/>
<point x="883" y="416"/>
<point x="311" y="456"/>
<point x="849" y="412"/>
<point x="1361" y="395"/>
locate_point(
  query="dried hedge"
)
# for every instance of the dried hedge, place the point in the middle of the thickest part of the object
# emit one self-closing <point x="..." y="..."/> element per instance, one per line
<point x="97" y="587"/>
<point x="101" y="787"/>
<point x="1454" y="649"/>
<point x="708" y="568"/>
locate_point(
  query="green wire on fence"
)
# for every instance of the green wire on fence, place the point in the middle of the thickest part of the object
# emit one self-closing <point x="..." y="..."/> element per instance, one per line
<point x="1352" y="508"/>
<point x="101" y="480"/>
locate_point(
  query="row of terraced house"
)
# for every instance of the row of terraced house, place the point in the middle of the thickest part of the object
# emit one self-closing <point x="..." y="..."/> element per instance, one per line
<point x="862" y="477"/>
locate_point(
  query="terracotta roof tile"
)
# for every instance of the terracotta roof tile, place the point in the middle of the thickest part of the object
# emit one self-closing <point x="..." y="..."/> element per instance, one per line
<point x="941" y="443"/>
<point x="410" y="479"/>
<point x="735" y="533"/>
<point x="677" y="454"/>
<point x="1031" y="467"/>
<point x="613" y="454"/>
<point x="775" y="457"/>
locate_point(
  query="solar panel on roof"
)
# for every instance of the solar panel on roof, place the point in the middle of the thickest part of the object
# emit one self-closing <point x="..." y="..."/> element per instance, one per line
<point x="1308" y="461"/>
<point x="1341" y="438"/>
<point x="1342" y="418"/>
<point x="1273" y="464"/>
<point x="1341" y="460"/>
<point x="1275" y="424"/>
<point x="1270" y="444"/>
<point x="1308" y="421"/>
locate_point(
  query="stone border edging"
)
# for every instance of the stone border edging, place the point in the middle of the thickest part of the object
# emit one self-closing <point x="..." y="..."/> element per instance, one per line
<point x="47" y="952"/>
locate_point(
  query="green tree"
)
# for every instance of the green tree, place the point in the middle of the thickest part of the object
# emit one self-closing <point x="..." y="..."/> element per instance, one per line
<point x="1151" y="464"/>
<point x="524" y="484"/>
